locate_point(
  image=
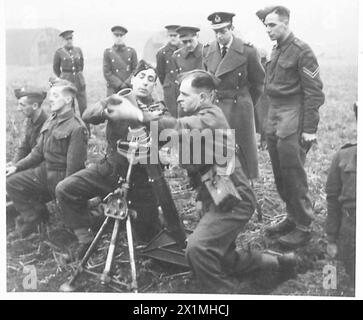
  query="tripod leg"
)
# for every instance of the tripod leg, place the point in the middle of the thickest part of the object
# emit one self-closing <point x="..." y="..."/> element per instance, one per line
<point x="68" y="286"/>
<point x="130" y="243"/>
<point x="105" y="278"/>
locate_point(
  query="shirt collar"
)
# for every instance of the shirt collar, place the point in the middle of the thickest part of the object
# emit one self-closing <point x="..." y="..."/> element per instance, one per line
<point x="286" y="42"/>
<point x="63" y="116"/>
<point x="228" y="45"/>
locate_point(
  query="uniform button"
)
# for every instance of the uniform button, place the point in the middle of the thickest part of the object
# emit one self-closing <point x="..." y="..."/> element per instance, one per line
<point x="73" y="68"/>
<point x="167" y="61"/>
<point x="163" y="52"/>
<point x="178" y="55"/>
<point x="237" y="87"/>
<point x="64" y="58"/>
<point x="235" y="101"/>
<point x="128" y="49"/>
<point x="180" y="69"/>
<point x="116" y="70"/>
<point x="240" y="74"/>
<point x="217" y="100"/>
<point x="129" y="59"/>
<point x="113" y="60"/>
<point x="171" y="71"/>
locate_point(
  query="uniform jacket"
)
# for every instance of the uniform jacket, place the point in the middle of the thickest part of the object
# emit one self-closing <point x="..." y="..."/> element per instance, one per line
<point x="30" y="137"/>
<point x="62" y="145"/>
<point x="241" y="77"/>
<point x="186" y="61"/>
<point x="119" y="63"/>
<point x="68" y="64"/>
<point x="293" y="71"/>
<point x="208" y="116"/>
<point x="165" y="67"/>
<point x="341" y="188"/>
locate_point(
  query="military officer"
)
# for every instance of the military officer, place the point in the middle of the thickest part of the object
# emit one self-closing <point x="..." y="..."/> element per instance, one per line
<point x="119" y="62"/>
<point x="294" y="88"/>
<point x="189" y="57"/>
<point x="237" y="65"/>
<point x="211" y="249"/>
<point x="166" y="68"/>
<point x="68" y="64"/>
<point x="60" y="151"/>
<point x="30" y="100"/>
<point x="102" y="178"/>
<point x="341" y="199"/>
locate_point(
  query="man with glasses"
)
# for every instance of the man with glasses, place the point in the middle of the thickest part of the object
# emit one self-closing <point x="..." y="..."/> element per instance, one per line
<point x="166" y="69"/>
<point x="68" y="64"/>
<point x="119" y="62"/>
<point x="237" y="64"/>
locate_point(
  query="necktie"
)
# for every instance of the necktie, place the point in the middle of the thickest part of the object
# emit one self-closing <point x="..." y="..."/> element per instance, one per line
<point x="224" y="51"/>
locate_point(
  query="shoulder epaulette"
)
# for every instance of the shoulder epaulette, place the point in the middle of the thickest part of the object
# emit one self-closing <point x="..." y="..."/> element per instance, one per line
<point x="348" y="145"/>
<point x="300" y="44"/>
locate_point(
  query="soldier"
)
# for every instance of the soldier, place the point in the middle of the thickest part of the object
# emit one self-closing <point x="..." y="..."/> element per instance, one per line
<point x="68" y="64"/>
<point x="119" y="62"/>
<point x="237" y="65"/>
<point x="166" y="68"/>
<point x="60" y="151"/>
<point x="341" y="198"/>
<point x="102" y="178"/>
<point x="189" y="57"/>
<point x="211" y="249"/>
<point x="294" y="88"/>
<point x="29" y="103"/>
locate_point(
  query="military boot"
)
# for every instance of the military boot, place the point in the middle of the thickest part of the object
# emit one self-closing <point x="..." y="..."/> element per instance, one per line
<point x="287" y="265"/>
<point x="296" y="238"/>
<point x="283" y="227"/>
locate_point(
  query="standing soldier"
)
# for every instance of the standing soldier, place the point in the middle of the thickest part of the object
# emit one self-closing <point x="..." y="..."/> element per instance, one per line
<point x="294" y="87"/>
<point x="61" y="151"/>
<point x="119" y="62"/>
<point x="189" y="57"/>
<point x="68" y="64"/>
<point x="166" y="69"/>
<point x="237" y="65"/>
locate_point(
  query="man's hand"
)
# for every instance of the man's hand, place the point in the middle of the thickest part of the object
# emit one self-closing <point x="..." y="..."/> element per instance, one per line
<point x="125" y="110"/>
<point x="10" y="170"/>
<point x="332" y="250"/>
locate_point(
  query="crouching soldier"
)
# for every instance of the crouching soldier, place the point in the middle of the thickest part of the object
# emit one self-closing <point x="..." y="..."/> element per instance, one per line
<point x="341" y="198"/>
<point x="60" y="151"/>
<point x="211" y="249"/>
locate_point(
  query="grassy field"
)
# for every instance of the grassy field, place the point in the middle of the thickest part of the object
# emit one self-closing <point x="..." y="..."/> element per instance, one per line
<point x="337" y="127"/>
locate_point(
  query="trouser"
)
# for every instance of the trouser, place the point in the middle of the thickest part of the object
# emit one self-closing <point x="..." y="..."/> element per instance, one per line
<point x="31" y="189"/>
<point x="287" y="159"/>
<point x="346" y="244"/>
<point x="82" y="104"/>
<point x="211" y="249"/>
<point x="99" y="180"/>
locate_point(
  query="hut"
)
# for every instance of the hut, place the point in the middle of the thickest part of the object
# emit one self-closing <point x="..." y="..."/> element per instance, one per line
<point x="31" y="47"/>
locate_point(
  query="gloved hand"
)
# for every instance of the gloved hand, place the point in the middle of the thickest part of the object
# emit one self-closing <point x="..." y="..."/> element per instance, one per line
<point x="119" y="108"/>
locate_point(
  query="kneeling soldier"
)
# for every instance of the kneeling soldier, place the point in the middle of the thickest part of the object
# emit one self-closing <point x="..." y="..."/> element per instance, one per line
<point x="211" y="249"/>
<point x="61" y="150"/>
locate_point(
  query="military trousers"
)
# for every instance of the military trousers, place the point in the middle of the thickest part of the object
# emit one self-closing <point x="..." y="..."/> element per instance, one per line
<point x="288" y="159"/>
<point x="170" y="98"/>
<point x="31" y="189"/>
<point x="99" y="180"/>
<point x="81" y="101"/>
<point x="211" y="249"/>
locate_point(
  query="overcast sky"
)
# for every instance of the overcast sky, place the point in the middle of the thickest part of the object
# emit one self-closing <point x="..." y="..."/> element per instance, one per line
<point x="316" y="21"/>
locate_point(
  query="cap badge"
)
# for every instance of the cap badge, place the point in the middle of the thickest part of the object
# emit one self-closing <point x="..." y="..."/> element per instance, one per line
<point x="217" y="19"/>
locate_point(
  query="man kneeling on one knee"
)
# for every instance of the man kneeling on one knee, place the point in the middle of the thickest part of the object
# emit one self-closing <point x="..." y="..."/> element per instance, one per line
<point x="211" y="249"/>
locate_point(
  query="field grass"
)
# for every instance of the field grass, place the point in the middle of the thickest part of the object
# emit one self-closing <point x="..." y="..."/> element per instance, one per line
<point x="337" y="127"/>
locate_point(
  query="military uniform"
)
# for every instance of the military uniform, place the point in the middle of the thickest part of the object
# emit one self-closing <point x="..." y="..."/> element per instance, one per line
<point x="295" y="91"/>
<point x="211" y="249"/>
<point x="187" y="61"/>
<point x="119" y="63"/>
<point x="31" y="129"/>
<point x="68" y="64"/>
<point x="241" y="85"/>
<point x="61" y="151"/>
<point x="341" y="198"/>
<point x="167" y="74"/>
<point x="102" y="178"/>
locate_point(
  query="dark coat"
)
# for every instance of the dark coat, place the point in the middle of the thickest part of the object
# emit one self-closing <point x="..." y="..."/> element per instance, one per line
<point x="242" y="78"/>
